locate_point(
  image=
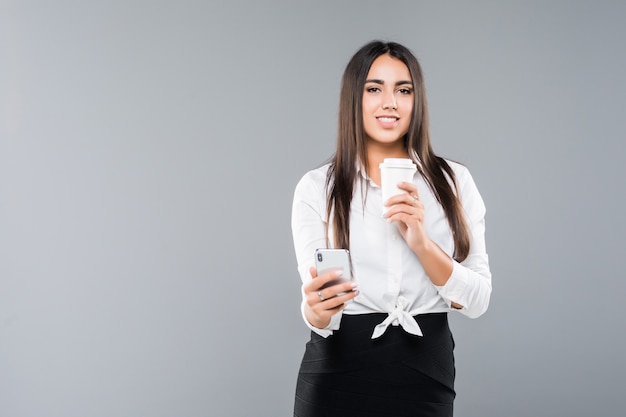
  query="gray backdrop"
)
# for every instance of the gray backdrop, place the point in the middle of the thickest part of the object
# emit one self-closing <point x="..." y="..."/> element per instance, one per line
<point x="148" y="156"/>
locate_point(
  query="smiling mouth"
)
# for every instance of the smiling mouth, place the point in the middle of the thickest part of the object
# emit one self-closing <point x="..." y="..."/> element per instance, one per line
<point x="388" y="119"/>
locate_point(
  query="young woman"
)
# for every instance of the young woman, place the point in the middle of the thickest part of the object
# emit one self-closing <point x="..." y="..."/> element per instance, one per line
<point x="380" y="345"/>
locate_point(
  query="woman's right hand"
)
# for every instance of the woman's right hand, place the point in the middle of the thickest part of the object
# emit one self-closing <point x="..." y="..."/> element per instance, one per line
<point x="322" y="304"/>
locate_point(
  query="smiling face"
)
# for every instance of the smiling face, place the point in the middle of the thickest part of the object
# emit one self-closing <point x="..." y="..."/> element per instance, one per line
<point x="388" y="99"/>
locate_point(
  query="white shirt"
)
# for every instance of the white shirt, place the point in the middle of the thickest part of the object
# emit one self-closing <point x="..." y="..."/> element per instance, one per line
<point x="389" y="275"/>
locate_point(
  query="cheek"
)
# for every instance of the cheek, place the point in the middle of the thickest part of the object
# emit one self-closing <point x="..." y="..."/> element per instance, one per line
<point x="368" y="125"/>
<point x="368" y="105"/>
<point x="368" y="110"/>
<point x="407" y="109"/>
<point x="407" y="103"/>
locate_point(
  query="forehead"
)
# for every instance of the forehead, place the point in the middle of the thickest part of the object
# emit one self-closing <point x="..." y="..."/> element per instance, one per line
<point x="388" y="67"/>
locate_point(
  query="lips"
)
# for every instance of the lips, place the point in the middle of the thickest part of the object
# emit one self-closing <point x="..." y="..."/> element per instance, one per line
<point x="387" y="122"/>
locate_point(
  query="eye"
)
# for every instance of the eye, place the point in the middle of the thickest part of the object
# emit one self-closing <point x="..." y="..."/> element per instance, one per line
<point x="405" y="91"/>
<point x="372" y="89"/>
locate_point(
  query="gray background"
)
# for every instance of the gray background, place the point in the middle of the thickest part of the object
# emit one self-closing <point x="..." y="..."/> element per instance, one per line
<point x="148" y="156"/>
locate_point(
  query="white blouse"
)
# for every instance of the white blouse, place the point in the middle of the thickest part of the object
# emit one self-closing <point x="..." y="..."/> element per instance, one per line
<point x="389" y="275"/>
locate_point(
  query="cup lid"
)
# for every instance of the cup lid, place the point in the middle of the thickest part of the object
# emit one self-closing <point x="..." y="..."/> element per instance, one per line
<point x="397" y="163"/>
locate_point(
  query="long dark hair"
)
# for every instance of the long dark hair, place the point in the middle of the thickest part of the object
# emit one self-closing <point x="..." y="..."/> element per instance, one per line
<point x="351" y="147"/>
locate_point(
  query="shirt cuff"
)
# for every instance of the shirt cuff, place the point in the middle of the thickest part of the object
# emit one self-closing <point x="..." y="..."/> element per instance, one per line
<point x="455" y="289"/>
<point x="335" y="321"/>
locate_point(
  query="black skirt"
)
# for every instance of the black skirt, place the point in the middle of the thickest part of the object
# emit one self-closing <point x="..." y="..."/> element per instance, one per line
<point x="397" y="375"/>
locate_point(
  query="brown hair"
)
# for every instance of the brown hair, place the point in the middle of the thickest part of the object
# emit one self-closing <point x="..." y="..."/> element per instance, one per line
<point x="351" y="147"/>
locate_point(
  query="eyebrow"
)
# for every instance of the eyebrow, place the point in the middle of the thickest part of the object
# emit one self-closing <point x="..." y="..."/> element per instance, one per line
<point x="381" y="82"/>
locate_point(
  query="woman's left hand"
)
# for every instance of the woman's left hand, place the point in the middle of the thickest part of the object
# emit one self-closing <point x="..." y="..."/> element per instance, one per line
<point x="407" y="211"/>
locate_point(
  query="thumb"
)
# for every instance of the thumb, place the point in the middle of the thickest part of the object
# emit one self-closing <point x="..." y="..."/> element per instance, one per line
<point x="313" y="272"/>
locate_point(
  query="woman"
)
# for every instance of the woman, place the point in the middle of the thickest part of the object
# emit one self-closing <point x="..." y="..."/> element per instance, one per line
<point x="381" y="345"/>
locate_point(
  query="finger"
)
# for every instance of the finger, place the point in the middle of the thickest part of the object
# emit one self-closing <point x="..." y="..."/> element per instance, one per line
<point x="397" y="199"/>
<point x="323" y="295"/>
<point x="339" y="288"/>
<point x="404" y="198"/>
<point x="335" y="301"/>
<point x="411" y="209"/>
<point x="326" y="277"/>
<point x="406" y="218"/>
<point x="322" y="280"/>
<point x="346" y="295"/>
<point x="409" y="187"/>
<point x="312" y="282"/>
<point x="331" y="311"/>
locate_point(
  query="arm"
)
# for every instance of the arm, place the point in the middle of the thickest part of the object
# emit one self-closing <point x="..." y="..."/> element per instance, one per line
<point x="470" y="281"/>
<point x="466" y="285"/>
<point x="322" y="314"/>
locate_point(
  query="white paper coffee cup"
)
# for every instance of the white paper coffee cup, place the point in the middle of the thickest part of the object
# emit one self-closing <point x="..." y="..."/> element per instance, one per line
<point x="392" y="172"/>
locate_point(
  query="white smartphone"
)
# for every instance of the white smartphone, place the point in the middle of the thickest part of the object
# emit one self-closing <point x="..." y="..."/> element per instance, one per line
<point x="331" y="259"/>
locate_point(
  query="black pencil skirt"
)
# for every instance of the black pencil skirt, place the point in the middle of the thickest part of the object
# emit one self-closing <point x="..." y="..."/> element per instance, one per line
<point x="349" y="374"/>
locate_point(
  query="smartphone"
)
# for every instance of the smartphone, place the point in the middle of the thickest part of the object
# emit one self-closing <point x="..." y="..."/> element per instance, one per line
<point x="331" y="259"/>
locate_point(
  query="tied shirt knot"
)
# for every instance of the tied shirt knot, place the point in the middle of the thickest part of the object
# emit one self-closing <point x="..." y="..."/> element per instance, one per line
<point x="399" y="317"/>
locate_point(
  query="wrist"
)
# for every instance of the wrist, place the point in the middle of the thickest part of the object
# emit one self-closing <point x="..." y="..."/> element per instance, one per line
<point x="424" y="248"/>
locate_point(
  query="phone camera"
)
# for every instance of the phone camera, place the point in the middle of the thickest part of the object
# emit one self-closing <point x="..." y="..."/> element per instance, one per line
<point x="319" y="257"/>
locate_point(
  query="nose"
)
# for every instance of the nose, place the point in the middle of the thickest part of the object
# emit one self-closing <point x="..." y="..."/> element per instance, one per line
<point x="389" y="102"/>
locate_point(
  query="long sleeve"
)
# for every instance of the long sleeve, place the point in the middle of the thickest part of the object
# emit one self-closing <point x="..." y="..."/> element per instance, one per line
<point x="308" y="221"/>
<point x="470" y="282"/>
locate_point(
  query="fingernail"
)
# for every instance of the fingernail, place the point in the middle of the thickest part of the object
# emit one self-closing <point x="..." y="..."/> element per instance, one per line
<point x="339" y="273"/>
